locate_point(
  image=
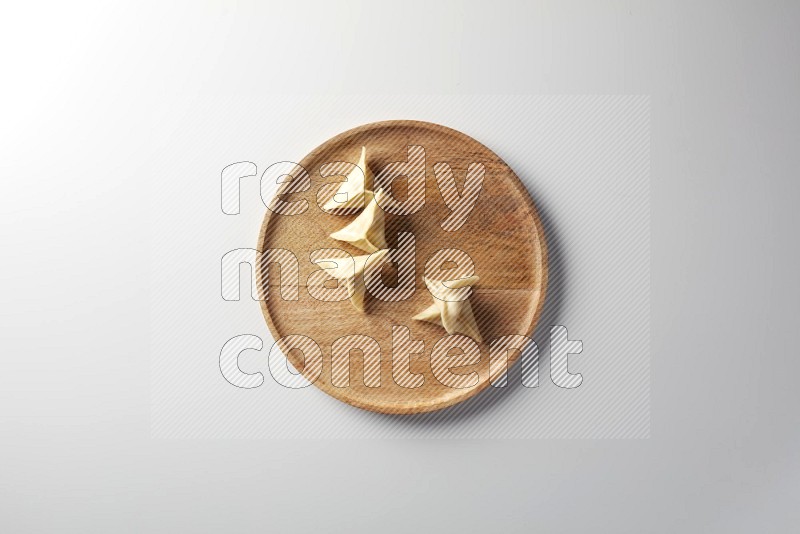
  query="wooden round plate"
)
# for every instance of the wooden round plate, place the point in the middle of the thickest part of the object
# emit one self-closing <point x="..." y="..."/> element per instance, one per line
<point x="503" y="236"/>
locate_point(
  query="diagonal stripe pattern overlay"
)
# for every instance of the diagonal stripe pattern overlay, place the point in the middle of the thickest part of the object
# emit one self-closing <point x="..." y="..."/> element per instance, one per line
<point x="584" y="159"/>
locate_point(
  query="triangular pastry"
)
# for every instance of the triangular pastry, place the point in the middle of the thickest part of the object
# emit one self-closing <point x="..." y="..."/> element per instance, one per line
<point x="367" y="230"/>
<point x="455" y="317"/>
<point x="355" y="192"/>
<point x="352" y="278"/>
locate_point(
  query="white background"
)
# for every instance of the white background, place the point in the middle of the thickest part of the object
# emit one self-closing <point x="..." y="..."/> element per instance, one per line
<point x="92" y="95"/>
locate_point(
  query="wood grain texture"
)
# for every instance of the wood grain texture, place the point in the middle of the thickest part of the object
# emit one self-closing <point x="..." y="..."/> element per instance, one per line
<point x="503" y="236"/>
